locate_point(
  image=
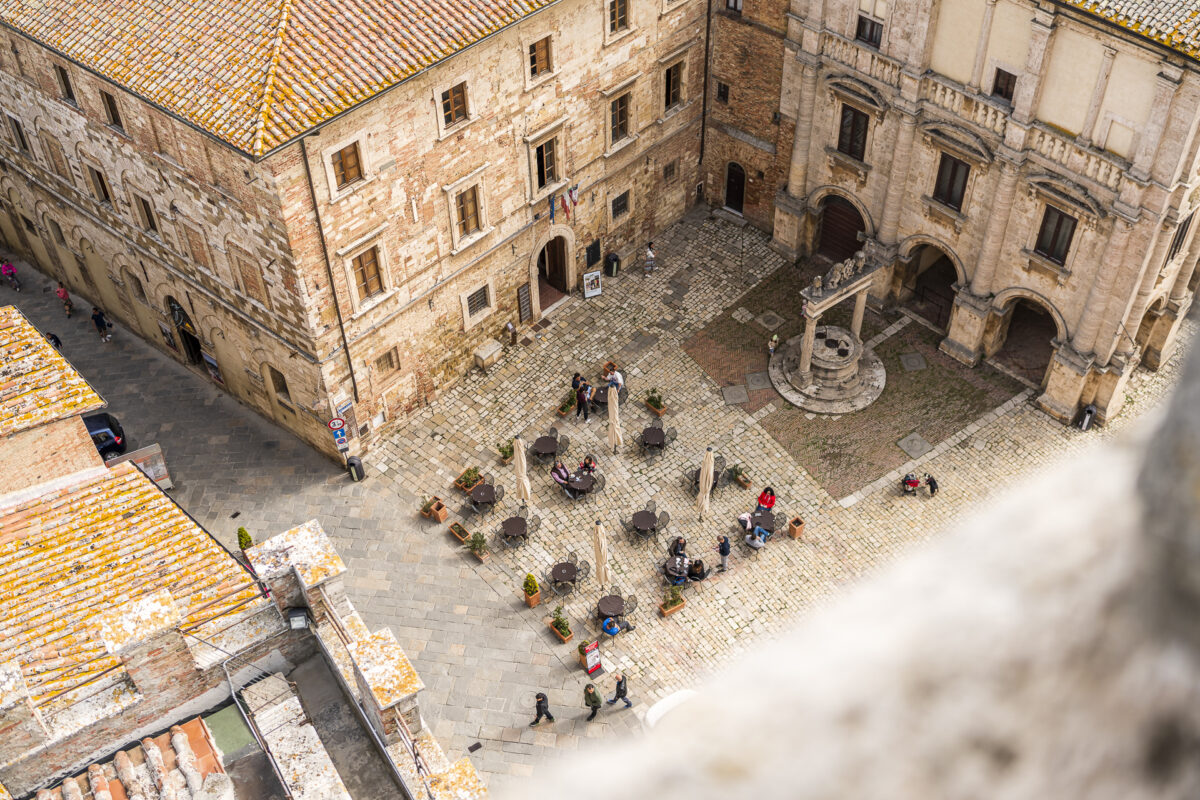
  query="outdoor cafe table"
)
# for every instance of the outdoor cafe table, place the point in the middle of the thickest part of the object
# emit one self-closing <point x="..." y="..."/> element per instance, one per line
<point x="564" y="572"/>
<point x="764" y="520"/>
<point x="654" y="437"/>
<point x="514" y="528"/>
<point x="582" y="483"/>
<point x="484" y="493"/>
<point x="612" y="605"/>
<point x="645" y="520"/>
<point x="545" y="446"/>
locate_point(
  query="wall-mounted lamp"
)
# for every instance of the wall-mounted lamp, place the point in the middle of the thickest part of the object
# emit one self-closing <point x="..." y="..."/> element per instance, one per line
<point x="297" y="619"/>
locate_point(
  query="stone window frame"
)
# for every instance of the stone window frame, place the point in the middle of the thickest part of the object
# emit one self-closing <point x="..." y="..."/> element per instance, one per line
<point x="66" y="86"/>
<point x="671" y="5"/>
<point x="608" y="205"/>
<point x="612" y="37"/>
<point x="944" y="138"/>
<point x="233" y="251"/>
<point x="677" y="57"/>
<point x="444" y="131"/>
<point x="46" y="140"/>
<point x="92" y="169"/>
<point x="527" y="41"/>
<point x="282" y="399"/>
<point x="532" y="142"/>
<point x="151" y="226"/>
<point x="673" y="166"/>
<point x="369" y="174"/>
<point x="625" y="87"/>
<point x="863" y="98"/>
<point x="110" y="109"/>
<point x="471" y="320"/>
<point x="476" y="178"/>
<point x="17" y="134"/>
<point x="385" y="373"/>
<point x="862" y="16"/>
<point x="1084" y="210"/>
<point x="993" y="65"/>
<point x="351" y="251"/>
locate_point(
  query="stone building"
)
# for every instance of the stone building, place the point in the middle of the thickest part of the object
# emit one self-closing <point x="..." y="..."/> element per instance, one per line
<point x="1022" y="170"/>
<point x="329" y="216"/>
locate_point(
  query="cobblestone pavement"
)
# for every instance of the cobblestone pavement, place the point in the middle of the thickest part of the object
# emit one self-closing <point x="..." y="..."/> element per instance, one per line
<point x="481" y="653"/>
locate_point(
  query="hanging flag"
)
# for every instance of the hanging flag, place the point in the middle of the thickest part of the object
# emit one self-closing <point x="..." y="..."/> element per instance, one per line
<point x="552" y="208"/>
<point x="573" y="193"/>
<point x="566" y="208"/>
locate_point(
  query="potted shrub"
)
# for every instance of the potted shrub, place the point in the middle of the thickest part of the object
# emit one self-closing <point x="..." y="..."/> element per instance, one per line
<point x="560" y="625"/>
<point x="477" y="544"/>
<point x="795" y="527"/>
<point x="566" y="405"/>
<point x="672" y="601"/>
<point x="505" y="449"/>
<point x="433" y="508"/>
<point x="459" y="532"/>
<point x="654" y="401"/>
<point x="738" y="473"/>
<point x="468" y="480"/>
<point x="582" y="648"/>
<point x="533" y="592"/>
<point x="245" y="540"/>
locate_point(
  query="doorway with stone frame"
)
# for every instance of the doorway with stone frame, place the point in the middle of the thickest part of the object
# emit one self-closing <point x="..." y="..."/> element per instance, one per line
<point x="924" y="284"/>
<point x="735" y="187"/>
<point x="186" y="331"/>
<point x="1027" y="337"/>
<point x="838" y="227"/>
<point x="552" y="268"/>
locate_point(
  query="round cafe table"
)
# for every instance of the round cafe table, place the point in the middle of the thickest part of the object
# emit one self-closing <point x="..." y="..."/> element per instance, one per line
<point x="612" y="605"/>
<point x="764" y="520"/>
<point x="582" y="483"/>
<point x="484" y="493"/>
<point x="545" y="445"/>
<point x="654" y="437"/>
<point x="564" y="572"/>
<point x="645" y="521"/>
<point x="514" y="528"/>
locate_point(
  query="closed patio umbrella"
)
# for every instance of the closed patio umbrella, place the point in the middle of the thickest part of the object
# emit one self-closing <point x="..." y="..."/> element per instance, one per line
<point x="523" y="489"/>
<point x="600" y="542"/>
<point x="614" y="419"/>
<point x="704" y="488"/>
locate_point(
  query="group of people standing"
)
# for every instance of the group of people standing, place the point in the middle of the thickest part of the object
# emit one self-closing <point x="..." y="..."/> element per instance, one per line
<point x="591" y="700"/>
<point x="584" y="391"/>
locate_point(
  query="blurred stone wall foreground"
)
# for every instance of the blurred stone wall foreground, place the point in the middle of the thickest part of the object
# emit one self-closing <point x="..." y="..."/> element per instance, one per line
<point x="1048" y="648"/>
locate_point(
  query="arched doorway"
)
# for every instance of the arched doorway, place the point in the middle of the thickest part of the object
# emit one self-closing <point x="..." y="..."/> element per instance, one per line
<point x="926" y="284"/>
<point x="840" y="225"/>
<point x="552" y="272"/>
<point x="1029" y="337"/>
<point x="186" y="330"/>
<point x="735" y="187"/>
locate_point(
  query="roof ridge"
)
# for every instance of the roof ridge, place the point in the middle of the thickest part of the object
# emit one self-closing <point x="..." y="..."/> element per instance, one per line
<point x="268" y="89"/>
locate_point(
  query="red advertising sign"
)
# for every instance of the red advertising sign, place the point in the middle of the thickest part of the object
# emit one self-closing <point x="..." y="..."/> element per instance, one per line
<point x="591" y="654"/>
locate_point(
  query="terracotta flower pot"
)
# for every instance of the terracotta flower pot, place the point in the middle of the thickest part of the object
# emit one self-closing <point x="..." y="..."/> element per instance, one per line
<point x="463" y="485"/>
<point x="483" y="555"/>
<point x="743" y="481"/>
<point x="561" y="638"/>
<point x="506" y="460"/>
<point x="458" y="532"/>
<point x="439" y="511"/>
<point x="657" y="411"/>
<point x="666" y="612"/>
<point x="532" y="600"/>
<point x="795" y="527"/>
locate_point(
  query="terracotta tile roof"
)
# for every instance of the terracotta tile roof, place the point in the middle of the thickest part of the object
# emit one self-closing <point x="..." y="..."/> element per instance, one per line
<point x="37" y="385"/>
<point x="74" y="553"/>
<point x="460" y="782"/>
<point x="182" y="758"/>
<point x="257" y="73"/>
<point x="1174" y="23"/>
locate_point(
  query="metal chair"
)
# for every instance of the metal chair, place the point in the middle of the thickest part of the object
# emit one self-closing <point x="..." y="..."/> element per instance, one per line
<point x="499" y="494"/>
<point x="523" y="511"/>
<point x="573" y="558"/>
<point x="585" y="569"/>
<point x="656" y="423"/>
<point x="630" y="605"/>
<point x="692" y="479"/>
<point x="487" y="478"/>
<point x="552" y="433"/>
<point x="664" y="519"/>
<point x="532" y="526"/>
<point x="671" y="435"/>
<point x="600" y="483"/>
<point x="534" y="455"/>
<point x="651" y="506"/>
<point x="564" y="444"/>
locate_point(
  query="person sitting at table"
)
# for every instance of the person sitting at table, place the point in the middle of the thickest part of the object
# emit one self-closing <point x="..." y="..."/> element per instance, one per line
<point x="696" y="571"/>
<point x="614" y="626"/>
<point x="766" y="500"/>
<point x="587" y="466"/>
<point x="676" y="570"/>
<point x="615" y="379"/>
<point x="757" y="531"/>
<point x="678" y="547"/>
<point x="560" y="475"/>
<point x="753" y="540"/>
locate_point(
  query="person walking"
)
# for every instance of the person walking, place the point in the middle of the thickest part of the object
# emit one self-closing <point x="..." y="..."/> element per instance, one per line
<point x="591" y="699"/>
<point x="723" y="551"/>
<point x="102" y="324"/>
<point x="64" y="297"/>
<point x="54" y="340"/>
<point x="10" y="272"/>
<point x="622" y="691"/>
<point x="583" y="399"/>
<point x="542" y="704"/>
<point x="651" y="261"/>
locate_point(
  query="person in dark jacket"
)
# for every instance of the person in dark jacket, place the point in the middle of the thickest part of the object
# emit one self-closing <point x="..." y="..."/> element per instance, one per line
<point x="622" y="692"/>
<point x="583" y="399"/>
<point x="542" y="704"/>
<point x="575" y="381"/>
<point x="678" y="546"/>
<point x="931" y="484"/>
<point x="723" y="551"/>
<point x="591" y="699"/>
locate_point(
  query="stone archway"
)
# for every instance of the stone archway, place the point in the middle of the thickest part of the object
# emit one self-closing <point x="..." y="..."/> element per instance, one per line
<point x="838" y="228"/>
<point x="189" y="337"/>
<point x="924" y="283"/>
<point x="735" y="187"/>
<point x="544" y="293"/>
<point x="1026" y="338"/>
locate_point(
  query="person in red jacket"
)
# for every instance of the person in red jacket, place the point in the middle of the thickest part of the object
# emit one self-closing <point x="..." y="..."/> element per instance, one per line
<point x="766" y="500"/>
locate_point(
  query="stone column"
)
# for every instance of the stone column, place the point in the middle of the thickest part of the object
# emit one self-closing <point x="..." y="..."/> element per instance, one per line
<point x="1164" y="91"/>
<point x="1135" y="310"/>
<point x="1087" y="328"/>
<point x="798" y="173"/>
<point x="806" y="348"/>
<point x="993" y="235"/>
<point x="1089" y="122"/>
<point x="860" y="305"/>
<point x="901" y="159"/>
<point x="981" y="47"/>
<point x="1029" y="83"/>
<point x="1161" y="344"/>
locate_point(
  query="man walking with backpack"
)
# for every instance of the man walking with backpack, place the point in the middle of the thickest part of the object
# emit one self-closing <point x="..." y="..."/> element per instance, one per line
<point x="622" y="692"/>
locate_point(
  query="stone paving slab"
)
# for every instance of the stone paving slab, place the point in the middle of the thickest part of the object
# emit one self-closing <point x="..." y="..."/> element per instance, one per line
<point x="914" y="445"/>
<point x="758" y="380"/>
<point x="733" y="395"/>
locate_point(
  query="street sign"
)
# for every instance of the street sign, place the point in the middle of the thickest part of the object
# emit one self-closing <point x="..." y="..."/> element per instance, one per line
<point x="591" y="652"/>
<point x="337" y="424"/>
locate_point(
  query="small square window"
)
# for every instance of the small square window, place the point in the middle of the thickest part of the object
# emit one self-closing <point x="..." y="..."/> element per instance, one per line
<point x="547" y="164"/>
<point x="454" y="104"/>
<point x="112" y="114"/>
<point x="366" y="274"/>
<point x="18" y="132"/>
<point x="951" y="182"/>
<point x="99" y="185"/>
<point x="539" y="58"/>
<point x="279" y="384"/>
<point x="64" y="84"/>
<point x="1004" y="85"/>
<point x="1179" y="238"/>
<point x="347" y="166"/>
<point x="1054" y="237"/>
<point x="477" y="301"/>
<point x="852" y="133"/>
<point x="733" y="5"/>
<point x="618" y="15"/>
<point x="670" y="170"/>
<point x="620" y="204"/>
<point x="146" y="214"/>
<point x="869" y="31"/>
<point x="387" y="363"/>
<point x="722" y="92"/>
<point x="467" y="204"/>
<point x="672" y="84"/>
<point x="619" y="122"/>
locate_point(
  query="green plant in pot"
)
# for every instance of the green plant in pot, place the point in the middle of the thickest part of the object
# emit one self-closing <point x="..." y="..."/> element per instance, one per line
<point x="559" y="622"/>
<point x="654" y="399"/>
<point x="505" y="449"/>
<point x="245" y="540"/>
<point x="531" y="585"/>
<point x="673" y="597"/>
<point x="477" y="544"/>
<point x="567" y="404"/>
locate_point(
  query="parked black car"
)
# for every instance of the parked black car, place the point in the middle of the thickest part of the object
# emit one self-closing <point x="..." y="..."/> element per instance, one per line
<point x="107" y="434"/>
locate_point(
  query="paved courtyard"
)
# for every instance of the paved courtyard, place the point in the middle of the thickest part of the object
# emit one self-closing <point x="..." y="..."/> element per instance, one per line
<point x="481" y="653"/>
